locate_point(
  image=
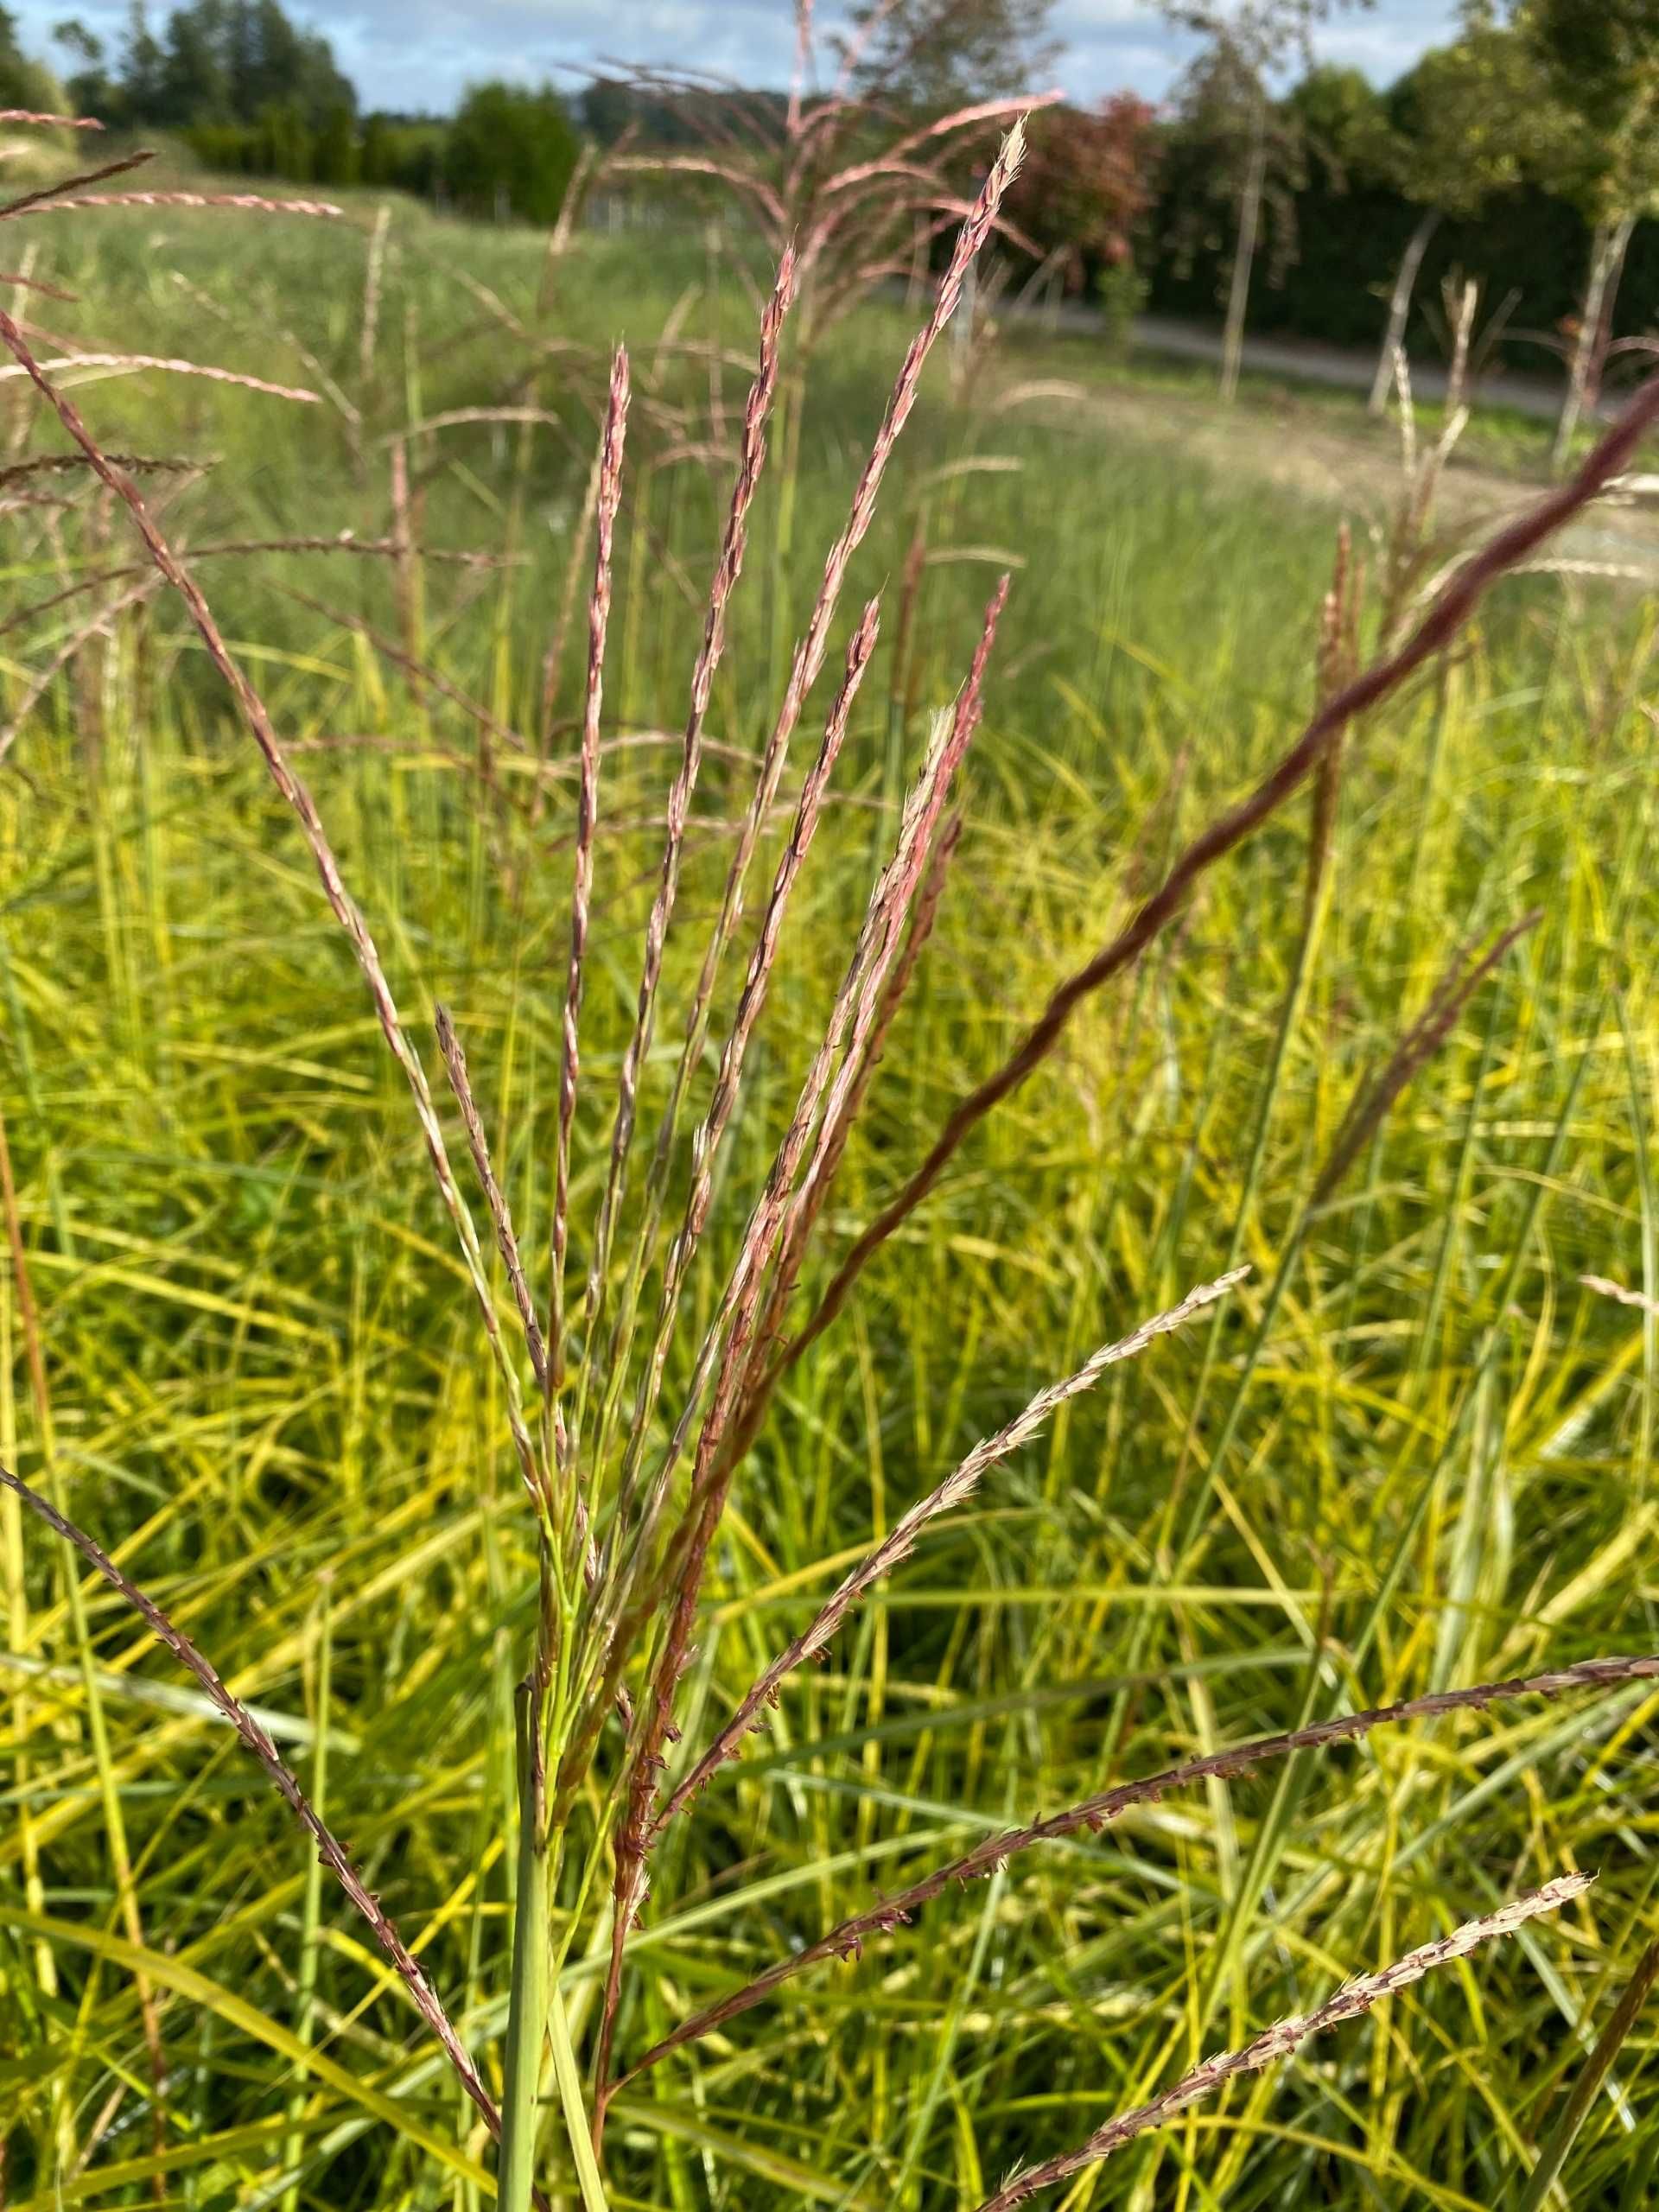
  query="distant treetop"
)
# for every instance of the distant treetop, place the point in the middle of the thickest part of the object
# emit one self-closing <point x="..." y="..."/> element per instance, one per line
<point x="940" y="55"/>
<point x="215" y="62"/>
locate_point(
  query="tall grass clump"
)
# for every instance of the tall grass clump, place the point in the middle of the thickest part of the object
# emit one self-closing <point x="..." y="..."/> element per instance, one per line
<point x="685" y="1271"/>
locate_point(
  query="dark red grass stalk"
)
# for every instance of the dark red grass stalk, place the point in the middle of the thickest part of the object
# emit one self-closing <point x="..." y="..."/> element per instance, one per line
<point x="599" y="613"/>
<point x="25" y="282"/>
<point x="1285" y="2037"/>
<point x="346" y="541"/>
<point x="1418" y="1044"/>
<point x="408" y="1968"/>
<point x="1452" y="608"/>
<point x="848" y="1938"/>
<point x="901" y="1539"/>
<point x="65" y="184"/>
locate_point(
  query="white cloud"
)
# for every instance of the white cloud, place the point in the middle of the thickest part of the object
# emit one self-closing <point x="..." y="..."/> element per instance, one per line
<point x="418" y="53"/>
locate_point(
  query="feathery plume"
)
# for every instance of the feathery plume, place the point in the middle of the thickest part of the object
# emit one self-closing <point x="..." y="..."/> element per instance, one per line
<point x="599" y="616"/>
<point x="1444" y="619"/>
<point x="847" y="1939"/>
<point x="615" y="1620"/>
<point x="901" y="1539"/>
<point x="728" y="570"/>
<point x="249" y="203"/>
<point x="256" y="1739"/>
<point x="803" y="671"/>
<point x="341" y="904"/>
<point x="52" y="122"/>
<point x="1286" y="2037"/>
<point x="652" y="1718"/>
<point x="171" y="366"/>
<point x="454" y="1061"/>
<point x="1621" y="1295"/>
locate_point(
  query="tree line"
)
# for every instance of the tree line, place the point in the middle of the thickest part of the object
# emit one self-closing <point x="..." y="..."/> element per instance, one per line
<point x="251" y="92"/>
<point x="1525" y="151"/>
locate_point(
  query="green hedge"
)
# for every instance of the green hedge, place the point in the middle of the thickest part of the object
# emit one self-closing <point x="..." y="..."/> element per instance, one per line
<point x="1348" y="247"/>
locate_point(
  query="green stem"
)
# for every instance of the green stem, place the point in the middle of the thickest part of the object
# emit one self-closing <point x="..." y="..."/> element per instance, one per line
<point x="527" y="2008"/>
<point x="1595" y="2071"/>
<point x="305" y="2010"/>
<point x="568" y="2075"/>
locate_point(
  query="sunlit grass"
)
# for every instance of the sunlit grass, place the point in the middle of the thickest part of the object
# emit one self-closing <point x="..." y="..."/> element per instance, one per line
<point x="267" y="1399"/>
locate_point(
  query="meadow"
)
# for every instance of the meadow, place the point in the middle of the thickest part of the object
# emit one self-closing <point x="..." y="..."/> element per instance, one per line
<point x="1413" y="1452"/>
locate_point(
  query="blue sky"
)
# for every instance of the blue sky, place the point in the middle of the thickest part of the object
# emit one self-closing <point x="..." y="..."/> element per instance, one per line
<point x="418" y="53"/>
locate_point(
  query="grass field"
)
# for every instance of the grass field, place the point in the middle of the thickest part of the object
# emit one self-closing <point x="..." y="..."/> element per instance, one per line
<point x="1414" y="1452"/>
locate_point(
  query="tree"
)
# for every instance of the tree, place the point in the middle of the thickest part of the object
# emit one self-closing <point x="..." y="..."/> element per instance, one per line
<point x="1346" y="119"/>
<point x="337" y="160"/>
<point x="511" y="148"/>
<point x="271" y="62"/>
<point x="90" y="89"/>
<point x="940" y="55"/>
<point x="139" y="83"/>
<point x="1088" y="181"/>
<point x="1461" y="120"/>
<point x="195" y="82"/>
<point x="216" y="62"/>
<point x="1602" y="63"/>
<point x="1224" y="97"/>
<point x="23" y="83"/>
<point x="403" y="152"/>
<point x="608" y="107"/>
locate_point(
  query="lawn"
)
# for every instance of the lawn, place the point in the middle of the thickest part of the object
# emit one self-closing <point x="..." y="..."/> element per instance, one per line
<point x="1413" y="1453"/>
